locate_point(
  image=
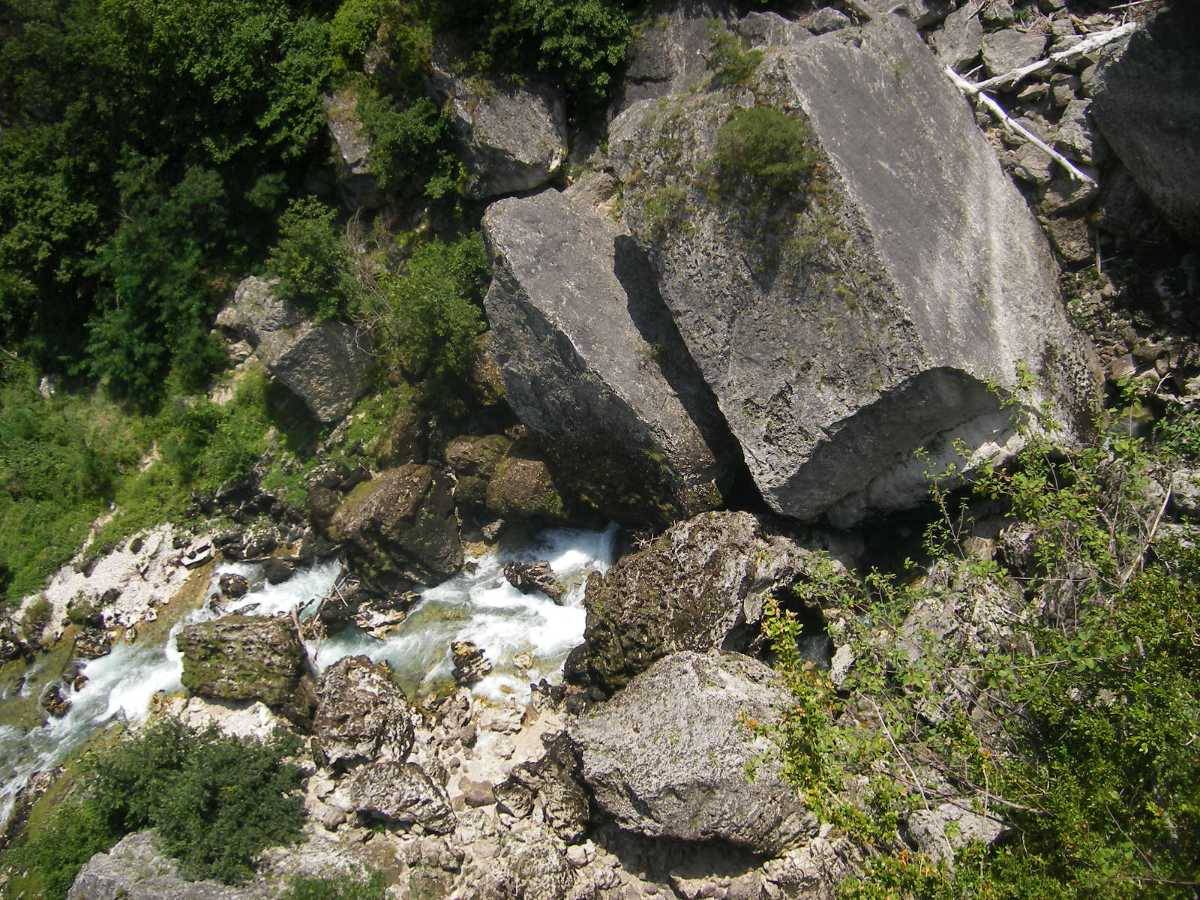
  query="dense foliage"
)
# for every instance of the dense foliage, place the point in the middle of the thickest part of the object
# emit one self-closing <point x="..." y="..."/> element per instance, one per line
<point x="1070" y="719"/>
<point x="311" y="260"/>
<point x="144" y="141"/>
<point x="215" y="802"/>
<point x="372" y="888"/>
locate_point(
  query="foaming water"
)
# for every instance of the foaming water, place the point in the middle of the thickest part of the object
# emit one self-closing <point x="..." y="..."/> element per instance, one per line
<point x="478" y="605"/>
<point x="121" y="684"/>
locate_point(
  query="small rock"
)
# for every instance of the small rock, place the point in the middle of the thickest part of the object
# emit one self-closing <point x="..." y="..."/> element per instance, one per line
<point x="53" y="701"/>
<point x="929" y="830"/>
<point x="532" y="577"/>
<point x="361" y="716"/>
<point x="476" y="793"/>
<point x="470" y="664"/>
<point x="92" y="643"/>
<point x="233" y="585"/>
<point x="1185" y="493"/>
<point x="958" y="41"/>
<point x="278" y="570"/>
<point x="826" y="20"/>
<point x="1010" y="49"/>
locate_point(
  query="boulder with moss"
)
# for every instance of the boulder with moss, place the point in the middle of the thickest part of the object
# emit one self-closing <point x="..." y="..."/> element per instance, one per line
<point x="522" y="487"/>
<point x="668" y="756"/>
<point x="700" y="586"/>
<point x="400" y="528"/>
<point x="246" y="658"/>
<point x="851" y="270"/>
<point x="473" y="460"/>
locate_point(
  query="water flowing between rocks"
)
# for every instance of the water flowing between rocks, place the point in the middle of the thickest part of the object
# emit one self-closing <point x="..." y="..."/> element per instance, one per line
<point x="477" y="605"/>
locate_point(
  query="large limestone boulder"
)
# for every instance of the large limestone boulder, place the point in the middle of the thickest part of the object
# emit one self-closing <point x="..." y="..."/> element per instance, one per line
<point x="357" y="185"/>
<point x="361" y="715"/>
<point x="513" y="136"/>
<point x="325" y="364"/>
<point x="135" y="869"/>
<point x="668" y="755"/>
<point x="592" y="364"/>
<point x="699" y="586"/>
<point x="670" y="55"/>
<point x="400" y="528"/>
<point x="1147" y="105"/>
<point x="886" y="306"/>
<point x="247" y="658"/>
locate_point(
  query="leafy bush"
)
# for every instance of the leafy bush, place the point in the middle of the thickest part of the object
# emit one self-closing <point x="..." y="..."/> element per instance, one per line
<point x="410" y="145"/>
<point x="1073" y="724"/>
<point x="729" y="57"/>
<point x="311" y="259"/>
<point x="427" y="317"/>
<point x="215" y="802"/>
<point x="765" y="150"/>
<point x="373" y="888"/>
<point x="579" y="44"/>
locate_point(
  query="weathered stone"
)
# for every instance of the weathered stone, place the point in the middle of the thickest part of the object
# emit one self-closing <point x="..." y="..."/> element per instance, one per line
<point x="12" y="646"/>
<point x="593" y="365"/>
<point x="470" y="663"/>
<point x="357" y="184"/>
<point x="833" y="365"/>
<point x="361" y="716"/>
<point x="827" y="19"/>
<point x="400" y="528"/>
<point x="400" y="794"/>
<point x="958" y="41"/>
<point x="513" y="136"/>
<point x="700" y="586"/>
<point x="247" y="658"/>
<point x="1185" y="493"/>
<point x="1071" y="237"/>
<point x="1148" y="108"/>
<point x="476" y="455"/>
<point x="324" y="364"/>
<point x="233" y="585"/>
<point x="1010" y="49"/>
<point x="92" y="643"/>
<point x="523" y="487"/>
<point x="404" y="440"/>
<point x="769" y="29"/>
<point x="671" y="54"/>
<point x="668" y="755"/>
<point x="922" y="13"/>
<point x="135" y="869"/>
<point x="54" y="701"/>
<point x="1076" y="136"/>
<point x="551" y="783"/>
<point x="531" y="577"/>
<point x="949" y="827"/>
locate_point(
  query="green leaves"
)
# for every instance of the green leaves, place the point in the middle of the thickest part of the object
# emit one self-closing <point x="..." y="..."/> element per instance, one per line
<point x="765" y="150"/>
<point x="311" y="260"/>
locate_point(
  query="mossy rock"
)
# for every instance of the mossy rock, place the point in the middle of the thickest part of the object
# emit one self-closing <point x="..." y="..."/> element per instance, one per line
<point x="523" y="488"/>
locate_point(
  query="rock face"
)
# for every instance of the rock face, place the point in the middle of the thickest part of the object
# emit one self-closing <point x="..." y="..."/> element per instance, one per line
<point x="592" y="364"/>
<point x="135" y="869"/>
<point x="247" y="658"/>
<point x="325" y="364"/>
<point x="885" y="308"/>
<point x="361" y="716"/>
<point x="357" y="184"/>
<point x="1147" y="106"/>
<point x="523" y="487"/>
<point x="700" y="586"/>
<point x="400" y="794"/>
<point x="513" y="137"/>
<point x="667" y="756"/>
<point x="400" y="528"/>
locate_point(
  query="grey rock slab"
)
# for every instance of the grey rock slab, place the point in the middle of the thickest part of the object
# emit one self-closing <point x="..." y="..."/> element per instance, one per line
<point x="513" y="136"/>
<point x="400" y="794"/>
<point x="1010" y="49"/>
<point x="1147" y="106"/>
<point x="941" y="831"/>
<point x="591" y="362"/>
<point x="135" y="869"/>
<point x="832" y="367"/>
<point x="357" y="184"/>
<point x="668" y="755"/>
<point x="921" y="13"/>
<point x="958" y="41"/>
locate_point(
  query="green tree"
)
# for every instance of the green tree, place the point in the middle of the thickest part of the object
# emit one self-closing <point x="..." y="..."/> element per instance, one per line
<point x="311" y="259"/>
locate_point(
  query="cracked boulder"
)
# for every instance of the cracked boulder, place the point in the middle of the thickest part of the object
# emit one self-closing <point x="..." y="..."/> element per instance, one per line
<point x="400" y="528"/>
<point x="699" y="586"/>
<point x="593" y="365"/>
<point x="361" y="715"/>
<point x="325" y="364"/>
<point x="513" y="136"/>
<point x="884" y="301"/>
<point x="400" y="795"/>
<point x="1147" y="106"/>
<point x="668" y="756"/>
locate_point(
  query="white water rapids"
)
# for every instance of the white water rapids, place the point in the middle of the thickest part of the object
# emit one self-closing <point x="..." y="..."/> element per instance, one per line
<point x="477" y="605"/>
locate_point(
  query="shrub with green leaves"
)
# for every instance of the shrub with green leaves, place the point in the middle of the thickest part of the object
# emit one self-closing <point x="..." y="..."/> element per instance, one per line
<point x="215" y="802"/>
<point x="730" y="59"/>
<point x="427" y="317"/>
<point x="410" y="145"/>
<point x="311" y="259"/>
<point x="345" y="888"/>
<point x="765" y="150"/>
